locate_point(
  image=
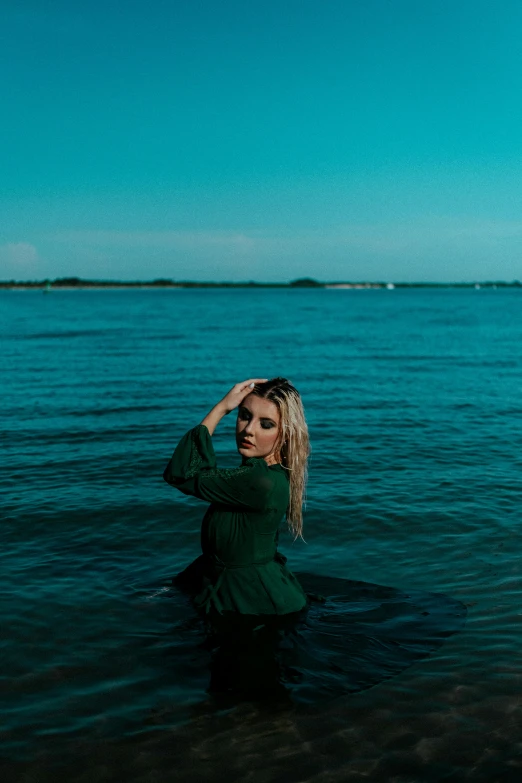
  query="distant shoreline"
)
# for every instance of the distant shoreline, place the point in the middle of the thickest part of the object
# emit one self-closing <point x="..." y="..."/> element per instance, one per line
<point x="77" y="284"/>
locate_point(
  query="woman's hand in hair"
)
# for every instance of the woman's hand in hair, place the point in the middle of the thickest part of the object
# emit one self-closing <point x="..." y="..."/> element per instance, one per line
<point x="237" y="393"/>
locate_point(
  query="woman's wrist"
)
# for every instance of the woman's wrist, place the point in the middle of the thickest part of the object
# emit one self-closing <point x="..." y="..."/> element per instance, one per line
<point x="213" y="418"/>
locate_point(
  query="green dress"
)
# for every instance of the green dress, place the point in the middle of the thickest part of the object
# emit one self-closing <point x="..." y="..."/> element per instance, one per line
<point x="240" y="569"/>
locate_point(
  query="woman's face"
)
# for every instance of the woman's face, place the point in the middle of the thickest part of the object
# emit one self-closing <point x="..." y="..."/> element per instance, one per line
<point x="257" y="424"/>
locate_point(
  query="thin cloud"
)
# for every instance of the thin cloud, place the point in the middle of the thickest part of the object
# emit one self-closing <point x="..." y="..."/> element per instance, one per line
<point x="188" y="240"/>
<point x="397" y="237"/>
<point x="18" y="254"/>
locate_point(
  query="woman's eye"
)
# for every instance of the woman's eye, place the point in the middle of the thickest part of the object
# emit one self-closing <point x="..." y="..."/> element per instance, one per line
<point x="266" y="425"/>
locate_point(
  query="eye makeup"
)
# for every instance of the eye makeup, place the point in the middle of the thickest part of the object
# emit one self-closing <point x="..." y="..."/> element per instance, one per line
<point x="266" y="424"/>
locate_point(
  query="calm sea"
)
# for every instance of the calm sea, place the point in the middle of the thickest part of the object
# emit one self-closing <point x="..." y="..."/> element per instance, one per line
<point x="413" y="399"/>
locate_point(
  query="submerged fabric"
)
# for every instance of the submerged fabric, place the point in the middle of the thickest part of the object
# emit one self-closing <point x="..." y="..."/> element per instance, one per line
<point x="358" y="636"/>
<point x="240" y="569"/>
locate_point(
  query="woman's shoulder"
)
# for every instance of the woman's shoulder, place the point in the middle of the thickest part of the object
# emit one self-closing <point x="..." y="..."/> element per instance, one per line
<point x="261" y="464"/>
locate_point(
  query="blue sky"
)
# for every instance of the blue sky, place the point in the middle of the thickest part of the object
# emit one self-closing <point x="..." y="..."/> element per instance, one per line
<point x="343" y="140"/>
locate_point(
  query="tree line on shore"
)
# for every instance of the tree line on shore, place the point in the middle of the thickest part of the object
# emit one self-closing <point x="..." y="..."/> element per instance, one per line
<point x="302" y="282"/>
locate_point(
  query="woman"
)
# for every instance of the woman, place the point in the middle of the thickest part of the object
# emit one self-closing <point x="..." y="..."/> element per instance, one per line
<point x="240" y="582"/>
<point x="240" y="570"/>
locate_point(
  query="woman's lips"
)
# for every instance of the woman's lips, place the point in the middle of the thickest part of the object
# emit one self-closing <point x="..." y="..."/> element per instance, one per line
<point x="246" y="445"/>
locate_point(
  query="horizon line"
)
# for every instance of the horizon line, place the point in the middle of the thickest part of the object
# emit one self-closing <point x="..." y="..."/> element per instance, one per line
<point x="303" y="282"/>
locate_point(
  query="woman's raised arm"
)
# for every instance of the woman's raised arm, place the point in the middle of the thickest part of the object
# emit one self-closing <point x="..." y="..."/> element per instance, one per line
<point x="192" y="469"/>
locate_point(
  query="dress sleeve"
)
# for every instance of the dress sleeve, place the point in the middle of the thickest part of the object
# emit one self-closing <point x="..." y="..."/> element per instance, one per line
<point x="193" y="470"/>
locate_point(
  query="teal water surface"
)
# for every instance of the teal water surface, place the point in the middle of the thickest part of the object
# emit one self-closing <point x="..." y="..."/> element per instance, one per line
<point x="413" y="404"/>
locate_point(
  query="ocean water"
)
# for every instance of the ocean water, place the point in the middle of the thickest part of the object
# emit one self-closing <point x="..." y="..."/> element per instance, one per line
<point x="413" y="400"/>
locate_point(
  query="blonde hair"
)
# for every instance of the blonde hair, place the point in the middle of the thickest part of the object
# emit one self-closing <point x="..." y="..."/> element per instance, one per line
<point x="293" y="443"/>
